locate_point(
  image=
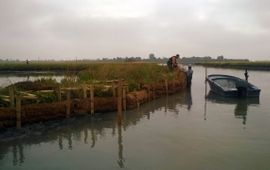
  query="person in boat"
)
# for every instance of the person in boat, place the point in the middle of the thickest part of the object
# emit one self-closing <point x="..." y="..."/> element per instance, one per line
<point x="189" y="74"/>
<point x="172" y="62"/>
<point x="246" y="75"/>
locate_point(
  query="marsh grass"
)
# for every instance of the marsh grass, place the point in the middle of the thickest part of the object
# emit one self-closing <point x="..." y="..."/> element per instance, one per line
<point x="61" y="66"/>
<point x="78" y="73"/>
<point x="254" y="65"/>
<point x="134" y="74"/>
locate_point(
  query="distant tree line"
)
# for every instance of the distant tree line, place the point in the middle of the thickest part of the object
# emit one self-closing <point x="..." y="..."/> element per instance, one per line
<point x="151" y="58"/>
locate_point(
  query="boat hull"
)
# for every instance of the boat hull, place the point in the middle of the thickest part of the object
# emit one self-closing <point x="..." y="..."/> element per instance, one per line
<point x="235" y="87"/>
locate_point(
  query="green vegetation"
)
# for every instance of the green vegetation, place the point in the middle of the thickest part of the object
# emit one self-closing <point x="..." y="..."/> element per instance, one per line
<point x="138" y="72"/>
<point x="132" y="73"/>
<point x="255" y="65"/>
<point x="3" y="103"/>
<point x="46" y="97"/>
<point x="61" y="66"/>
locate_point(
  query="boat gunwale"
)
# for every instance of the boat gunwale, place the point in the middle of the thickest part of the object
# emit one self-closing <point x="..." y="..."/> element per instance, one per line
<point x="253" y="91"/>
<point x="213" y="77"/>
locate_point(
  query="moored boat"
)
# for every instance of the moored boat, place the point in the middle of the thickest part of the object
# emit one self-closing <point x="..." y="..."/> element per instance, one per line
<point x="230" y="86"/>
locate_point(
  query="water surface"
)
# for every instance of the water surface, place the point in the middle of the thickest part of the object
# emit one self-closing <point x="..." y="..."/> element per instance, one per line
<point x="9" y="78"/>
<point x="183" y="131"/>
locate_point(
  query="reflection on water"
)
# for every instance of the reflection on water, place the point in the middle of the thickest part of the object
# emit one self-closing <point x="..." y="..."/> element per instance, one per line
<point x="184" y="100"/>
<point x="121" y="159"/>
<point x="18" y="154"/>
<point x="89" y="129"/>
<point x="168" y="133"/>
<point x="86" y="129"/>
<point x="241" y="104"/>
<point x="240" y="111"/>
<point x="189" y="98"/>
<point x="8" y="79"/>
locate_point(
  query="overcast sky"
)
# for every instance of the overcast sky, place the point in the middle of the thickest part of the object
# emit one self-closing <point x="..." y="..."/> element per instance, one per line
<point x="66" y="29"/>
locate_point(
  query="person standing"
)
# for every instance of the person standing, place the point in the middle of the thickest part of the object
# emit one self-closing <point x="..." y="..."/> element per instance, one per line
<point x="172" y="62"/>
<point x="189" y="74"/>
<point x="246" y="75"/>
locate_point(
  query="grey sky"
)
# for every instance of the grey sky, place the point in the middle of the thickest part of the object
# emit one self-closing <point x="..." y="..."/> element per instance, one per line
<point x="66" y="29"/>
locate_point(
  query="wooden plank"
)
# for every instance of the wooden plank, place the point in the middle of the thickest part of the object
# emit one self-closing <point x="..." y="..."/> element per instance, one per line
<point x="84" y="92"/>
<point x="154" y="92"/>
<point x="68" y="107"/>
<point x="18" y="112"/>
<point x="113" y="89"/>
<point x="58" y="92"/>
<point x="124" y="98"/>
<point x="119" y="102"/>
<point x="148" y="93"/>
<point x="27" y="94"/>
<point x="29" y="97"/>
<point x="173" y="81"/>
<point x="71" y="88"/>
<point x="92" y="99"/>
<point x="166" y="87"/>
<point x="5" y="97"/>
<point x="11" y="97"/>
<point x="45" y="91"/>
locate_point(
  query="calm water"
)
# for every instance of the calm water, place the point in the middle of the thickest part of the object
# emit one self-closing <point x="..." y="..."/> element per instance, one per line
<point x="182" y="131"/>
<point x="7" y="79"/>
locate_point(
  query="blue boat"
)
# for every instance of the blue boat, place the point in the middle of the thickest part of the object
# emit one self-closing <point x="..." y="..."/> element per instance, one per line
<point x="230" y="86"/>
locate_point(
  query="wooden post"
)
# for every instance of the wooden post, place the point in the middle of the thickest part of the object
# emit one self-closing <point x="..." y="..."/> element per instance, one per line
<point x="113" y="89"/>
<point x="138" y="103"/>
<point x="124" y="98"/>
<point x="92" y="99"/>
<point x="60" y="142"/>
<point x="205" y="94"/>
<point x="205" y="72"/>
<point x="59" y="93"/>
<point x="84" y="92"/>
<point x="11" y="97"/>
<point x="205" y="83"/>
<point x="18" y="112"/>
<point x="85" y="136"/>
<point x="68" y="104"/>
<point x="119" y="101"/>
<point x="166" y="87"/>
<point x="154" y="92"/>
<point x="148" y="93"/>
<point x="173" y="85"/>
<point x="127" y="89"/>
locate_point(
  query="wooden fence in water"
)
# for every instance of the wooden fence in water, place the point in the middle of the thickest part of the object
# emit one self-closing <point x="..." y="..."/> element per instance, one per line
<point x="65" y="98"/>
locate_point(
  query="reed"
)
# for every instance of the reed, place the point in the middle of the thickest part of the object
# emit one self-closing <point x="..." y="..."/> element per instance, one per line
<point x="61" y="66"/>
<point x="252" y="65"/>
<point x="134" y="74"/>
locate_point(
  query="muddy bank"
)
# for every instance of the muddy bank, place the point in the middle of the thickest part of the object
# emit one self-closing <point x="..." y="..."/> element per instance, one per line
<point x="77" y="106"/>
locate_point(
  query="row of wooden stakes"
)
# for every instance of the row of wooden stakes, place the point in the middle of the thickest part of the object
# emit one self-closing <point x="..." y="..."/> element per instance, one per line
<point x="119" y="88"/>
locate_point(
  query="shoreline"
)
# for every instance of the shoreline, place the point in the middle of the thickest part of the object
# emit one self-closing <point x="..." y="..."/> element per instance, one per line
<point x="260" y="66"/>
<point x="100" y="89"/>
<point x="33" y="113"/>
